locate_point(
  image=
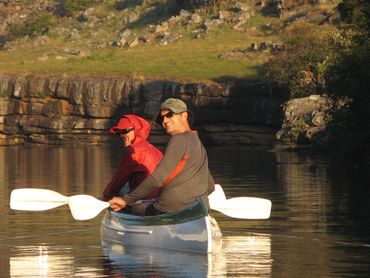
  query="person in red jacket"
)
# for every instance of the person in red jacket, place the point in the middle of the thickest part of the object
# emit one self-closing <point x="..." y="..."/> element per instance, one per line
<point x="140" y="157"/>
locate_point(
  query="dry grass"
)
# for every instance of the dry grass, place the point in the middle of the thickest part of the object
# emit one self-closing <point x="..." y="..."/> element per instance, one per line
<point x="188" y="59"/>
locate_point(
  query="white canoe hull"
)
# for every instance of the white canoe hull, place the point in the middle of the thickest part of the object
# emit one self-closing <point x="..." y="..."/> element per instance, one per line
<point x="201" y="234"/>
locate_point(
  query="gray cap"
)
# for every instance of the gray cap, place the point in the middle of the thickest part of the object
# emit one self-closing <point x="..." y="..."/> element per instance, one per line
<point x="175" y="105"/>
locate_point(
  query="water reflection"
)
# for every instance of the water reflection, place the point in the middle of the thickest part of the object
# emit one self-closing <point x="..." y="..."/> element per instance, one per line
<point x="253" y="250"/>
<point x="246" y="256"/>
<point x="66" y="169"/>
<point x="40" y="261"/>
<point x="53" y="261"/>
<point x="318" y="227"/>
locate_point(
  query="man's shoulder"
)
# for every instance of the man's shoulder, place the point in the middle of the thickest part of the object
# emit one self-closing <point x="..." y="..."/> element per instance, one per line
<point x="176" y="138"/>
<point x="184" y="138"/>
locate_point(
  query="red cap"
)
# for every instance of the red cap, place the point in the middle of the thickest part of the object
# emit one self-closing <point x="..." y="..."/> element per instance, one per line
<point x="123" y="123"/>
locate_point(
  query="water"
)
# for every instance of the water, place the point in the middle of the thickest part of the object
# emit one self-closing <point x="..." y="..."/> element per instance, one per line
<point x="319" y="224"/>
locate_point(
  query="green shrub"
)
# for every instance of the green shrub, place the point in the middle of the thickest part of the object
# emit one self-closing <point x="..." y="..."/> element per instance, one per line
<point x="35" y="24"/>
<point x="300" y="66"/>
<point x="69" y="7"/>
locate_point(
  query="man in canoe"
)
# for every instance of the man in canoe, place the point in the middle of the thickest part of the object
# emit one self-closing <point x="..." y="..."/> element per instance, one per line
<point x="139" y="160"/>
<point x="182" y="175"/>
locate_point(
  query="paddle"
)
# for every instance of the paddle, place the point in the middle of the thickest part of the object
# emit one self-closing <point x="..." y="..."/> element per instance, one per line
<point x="84" y="207"/>
<point x="239" y="207"/>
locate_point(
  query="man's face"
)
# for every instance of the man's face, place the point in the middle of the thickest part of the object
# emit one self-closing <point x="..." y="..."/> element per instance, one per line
<point x="173" y="123"/>
<point x="127" y="137"/>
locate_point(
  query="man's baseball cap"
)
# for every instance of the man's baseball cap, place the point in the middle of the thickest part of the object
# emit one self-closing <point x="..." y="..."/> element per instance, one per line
<point x="175" y="105"/>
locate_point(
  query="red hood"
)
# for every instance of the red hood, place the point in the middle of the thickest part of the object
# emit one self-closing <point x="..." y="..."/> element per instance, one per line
<point x="141" y="126"/>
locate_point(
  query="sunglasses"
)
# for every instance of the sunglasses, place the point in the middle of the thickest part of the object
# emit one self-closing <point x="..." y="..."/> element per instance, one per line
<point x="168" y="115"/>
<point x="124" y="131"/>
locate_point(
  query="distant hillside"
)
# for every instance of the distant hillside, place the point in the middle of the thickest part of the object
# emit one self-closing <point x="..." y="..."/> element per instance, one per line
<point x="189" y="40"/>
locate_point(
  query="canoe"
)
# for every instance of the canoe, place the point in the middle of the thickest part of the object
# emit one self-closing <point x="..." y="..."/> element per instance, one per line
<point x="191" y="229"/>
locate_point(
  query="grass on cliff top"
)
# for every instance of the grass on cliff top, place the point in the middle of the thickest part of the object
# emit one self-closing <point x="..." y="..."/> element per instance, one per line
<point x="187" y="59"/>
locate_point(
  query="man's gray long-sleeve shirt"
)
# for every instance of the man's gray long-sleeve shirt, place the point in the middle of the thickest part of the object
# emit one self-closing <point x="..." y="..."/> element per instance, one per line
<point x="182" y="175"/>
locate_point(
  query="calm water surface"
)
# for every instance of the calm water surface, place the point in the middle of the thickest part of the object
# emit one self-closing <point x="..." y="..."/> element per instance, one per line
<point x="319" y="226"/>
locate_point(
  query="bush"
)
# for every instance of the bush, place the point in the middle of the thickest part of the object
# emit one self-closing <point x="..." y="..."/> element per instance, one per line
<point x="347" y="76"/>
<point x="35" y="24"/>
<point x="69" y="7"/>
<point x="300" y="65"/>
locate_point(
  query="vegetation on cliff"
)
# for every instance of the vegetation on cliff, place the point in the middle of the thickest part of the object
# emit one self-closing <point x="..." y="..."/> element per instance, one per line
<point x="335" y="63"/>
<point x="348" y="77"/>
<point x="190" y="40"/>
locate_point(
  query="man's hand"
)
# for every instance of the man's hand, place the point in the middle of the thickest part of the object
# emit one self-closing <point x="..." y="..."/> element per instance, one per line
<point x="117" y="203"/>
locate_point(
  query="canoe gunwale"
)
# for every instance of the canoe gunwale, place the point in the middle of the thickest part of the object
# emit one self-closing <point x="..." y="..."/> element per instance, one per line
<point x="194" y="211"/>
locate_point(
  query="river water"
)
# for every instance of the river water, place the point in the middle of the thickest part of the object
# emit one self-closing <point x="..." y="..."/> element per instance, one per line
<point x="319" y="226"/>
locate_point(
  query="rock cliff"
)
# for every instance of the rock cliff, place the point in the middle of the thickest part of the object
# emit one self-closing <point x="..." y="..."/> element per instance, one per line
<point x="69" y="110"/>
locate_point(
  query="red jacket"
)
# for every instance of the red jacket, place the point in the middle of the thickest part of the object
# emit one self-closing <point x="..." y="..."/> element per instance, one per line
<point x="139" y="161"/>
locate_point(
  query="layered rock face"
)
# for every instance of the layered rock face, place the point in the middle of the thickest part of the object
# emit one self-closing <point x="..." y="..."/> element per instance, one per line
<point x="57" y="110"/>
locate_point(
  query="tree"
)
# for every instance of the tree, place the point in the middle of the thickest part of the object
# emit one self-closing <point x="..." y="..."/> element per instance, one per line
<point x="347" y="76"/>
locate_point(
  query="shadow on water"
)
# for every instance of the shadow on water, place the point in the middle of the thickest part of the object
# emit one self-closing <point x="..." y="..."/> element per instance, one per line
<point x="353" y="186"/>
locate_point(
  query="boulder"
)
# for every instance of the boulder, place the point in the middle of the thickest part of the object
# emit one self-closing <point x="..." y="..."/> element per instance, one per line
<point x="306" y="120"/>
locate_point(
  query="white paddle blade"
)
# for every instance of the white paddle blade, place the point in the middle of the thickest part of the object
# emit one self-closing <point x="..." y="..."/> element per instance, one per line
<point x="34" y="199"/>
<point x="245" y="208"/>
<point x="84" y="207"/>
<point x="217" y="196"/>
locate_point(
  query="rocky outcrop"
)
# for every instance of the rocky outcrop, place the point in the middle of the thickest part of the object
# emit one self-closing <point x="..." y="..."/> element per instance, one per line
<point x="306" y="120"/>
<point x="56" y="110"/>
<point x="166" y="22"/>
